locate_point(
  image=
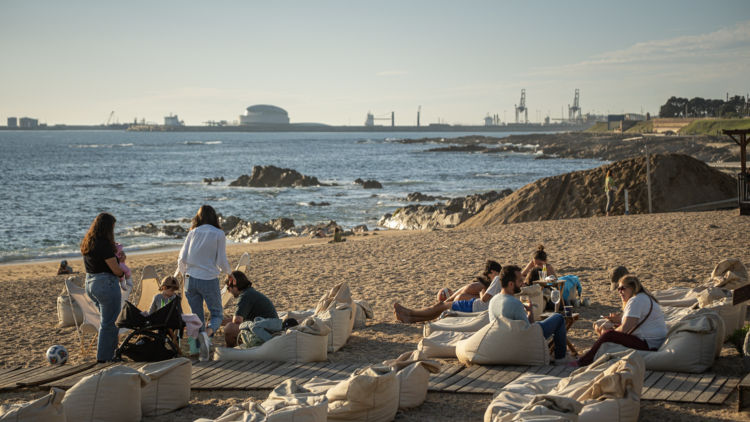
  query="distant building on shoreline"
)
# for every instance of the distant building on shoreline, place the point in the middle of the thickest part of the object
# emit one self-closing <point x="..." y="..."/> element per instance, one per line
<point x="27" y="122"/>
<point x="264" y="114"/>
<point x="172" y="121"/>
<point x="12" y="122"/>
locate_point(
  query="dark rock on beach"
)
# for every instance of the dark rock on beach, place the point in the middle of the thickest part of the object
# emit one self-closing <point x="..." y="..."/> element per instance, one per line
<point x="318" y="204"/>
<point x="447" y="215"/>
<point x="209" y="180"/>
<point x="544" y="157"/>
<point x="272" y="176"/>
<point x="173" y="230"/>
<point x="419" y="197"/>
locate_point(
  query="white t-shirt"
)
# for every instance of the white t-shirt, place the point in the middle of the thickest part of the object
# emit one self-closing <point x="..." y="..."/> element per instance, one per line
<point x="204" y="253"/>
<point x="654" y="330"/>
<point x="494" y="289"/>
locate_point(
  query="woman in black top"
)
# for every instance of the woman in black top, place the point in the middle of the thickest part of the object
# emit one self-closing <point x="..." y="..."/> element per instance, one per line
<point x="103" y="274"/>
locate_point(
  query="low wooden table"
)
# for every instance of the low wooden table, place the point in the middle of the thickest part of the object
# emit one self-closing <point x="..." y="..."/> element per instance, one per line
<point x="569" y="321"/>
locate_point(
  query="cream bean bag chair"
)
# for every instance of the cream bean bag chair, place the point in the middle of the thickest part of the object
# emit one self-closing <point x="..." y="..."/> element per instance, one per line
<point x="468" y="324"/>
<point x="536" y="297"/>
<point x="607" y="390"/>
<point x="413" y="372"/>
<point x="441" y="344"/>
<point x="505" y="342"/>
<point x="298" y="315"/>
<point x="341" y="294"/>
<point x="113" y="394"/>
<point x="169" y="388"/>
<point x="66" y="313"/>
<point x="45" y="409"/>
<point x="690" y="347"/>
<point x="307" y="342"/>
<point x="363" y="313"/>
<point x="309" y="409"/>
<point x="672" y="316"/>
<point x="368" y="395"/>
<point x="338" y="317"/>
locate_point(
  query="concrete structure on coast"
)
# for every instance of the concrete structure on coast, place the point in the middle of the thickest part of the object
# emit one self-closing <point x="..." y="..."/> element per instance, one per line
<point x="262" y="114"/>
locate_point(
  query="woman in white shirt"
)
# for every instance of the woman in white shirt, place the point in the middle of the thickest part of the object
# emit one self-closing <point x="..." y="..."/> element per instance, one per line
<point x="641" y="327"/>
<point x="202" y="259"/>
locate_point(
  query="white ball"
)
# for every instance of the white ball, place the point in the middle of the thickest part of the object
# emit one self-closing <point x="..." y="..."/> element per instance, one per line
<point x="57" y="355"/>
<point x="444" y="294"/>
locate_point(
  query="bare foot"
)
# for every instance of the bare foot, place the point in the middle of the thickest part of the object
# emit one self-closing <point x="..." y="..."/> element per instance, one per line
<point x="403" y="318"/>
<point x="401" y="310"/>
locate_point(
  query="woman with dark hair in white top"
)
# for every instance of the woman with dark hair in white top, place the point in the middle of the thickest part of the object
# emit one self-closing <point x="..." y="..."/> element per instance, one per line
<point x="202" y="259"/>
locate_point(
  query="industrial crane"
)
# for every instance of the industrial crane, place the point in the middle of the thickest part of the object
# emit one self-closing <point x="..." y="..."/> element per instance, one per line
<point x="371" y="119"/>
<point x="574" y="113"/>
<point x="521" y="108"/>
<point x="110" y="117"/>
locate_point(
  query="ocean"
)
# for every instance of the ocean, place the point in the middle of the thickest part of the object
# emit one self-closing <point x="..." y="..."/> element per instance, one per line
<point x="53" y="183"/>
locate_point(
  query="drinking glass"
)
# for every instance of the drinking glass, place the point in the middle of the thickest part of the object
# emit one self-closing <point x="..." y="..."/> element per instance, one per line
<point x="525" y="300"/>
<point x="555" y="297"/>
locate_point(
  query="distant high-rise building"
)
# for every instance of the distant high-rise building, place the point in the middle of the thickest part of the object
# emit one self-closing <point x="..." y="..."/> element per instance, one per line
<point x="27" y="122"/>
<point x="12" y="122"/>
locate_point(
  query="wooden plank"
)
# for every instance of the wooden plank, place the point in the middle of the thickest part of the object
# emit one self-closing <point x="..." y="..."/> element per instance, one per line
<point x="725" y="391"/>
<point x="534" y="369"/>
<point x="467" y="379"/>
<point x="670" y="388"/>
<point x="56" y="375"/>
<point x="212" y="371"/>
<point x="306" y="370"/>
<point x="217" y="374"/>
<point x="545" y="369"/>
<point x="740" y="295"/>
<point x="455" y="378"/>
<point x="569" y="370"/>
<point x="556" y="371"/>
<point x="698" y="388"/>
<point x="452" y="370"/>
<point x="274" y="375"/>
<point x="346" y="371"/>
<point x="20" y="375"/>
<point x="67" y="382"/>
<point x="8" y="370"/>
<point x="709" y="392"/>
<point x="650" y="381"/>
<point x="685" y="388"/>
<point x="249" y="375"/>
<point x="237" y="369"/>
<point x="478" y="385"/>
<point x="201" y="368"/>
<point x="658" y="386"/>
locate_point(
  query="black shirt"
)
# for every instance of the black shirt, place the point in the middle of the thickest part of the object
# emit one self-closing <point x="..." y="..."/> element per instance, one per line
<point x="252" y="303"/>
<point x="95" y="260"/>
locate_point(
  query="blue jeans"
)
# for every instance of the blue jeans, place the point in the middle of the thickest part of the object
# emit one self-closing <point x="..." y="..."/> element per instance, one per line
<point x="555" y="326"/>
<point x="104" y="290"/>
<point x="197" y="291"/>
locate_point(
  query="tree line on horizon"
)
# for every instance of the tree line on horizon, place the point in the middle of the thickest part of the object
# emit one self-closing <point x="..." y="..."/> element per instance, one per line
<point x="700" y="107"/>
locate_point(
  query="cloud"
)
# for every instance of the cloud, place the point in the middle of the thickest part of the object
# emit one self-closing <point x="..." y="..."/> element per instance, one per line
<point x="694" y="55"/>
<point x="392" y="72"/>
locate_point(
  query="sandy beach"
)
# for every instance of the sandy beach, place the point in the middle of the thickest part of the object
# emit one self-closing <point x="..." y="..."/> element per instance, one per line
<point x="672" y="249"/>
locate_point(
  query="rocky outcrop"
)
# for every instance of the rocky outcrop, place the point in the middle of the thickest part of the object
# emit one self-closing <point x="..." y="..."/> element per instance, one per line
<point x="227" y="224"/>
<point x="208" y="180"/>
<point x="368" y="184"/>
<point x="318" y="204"/>
<point x="450" y="214"/>
<point x="677" y="181"/>
<point x="360" y="229"/>
<point x="544" y="157"/>
<point x="172" y="230"/>
<point x="275" y="177"/>
<point x="419" y="197"/>
<point x="281" y="224"/>
<point x="476" y="148"/>
<point x="309" y="229"/>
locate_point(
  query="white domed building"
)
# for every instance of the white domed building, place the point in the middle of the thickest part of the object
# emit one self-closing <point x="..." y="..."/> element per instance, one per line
<point x="264" y="114"/>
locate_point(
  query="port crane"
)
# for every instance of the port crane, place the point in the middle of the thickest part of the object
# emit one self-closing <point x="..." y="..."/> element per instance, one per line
<point x="371" y="119"/>
<point x="110" y="117"/>
<point x="521" y="108"/>
<point x="574" y="113"/>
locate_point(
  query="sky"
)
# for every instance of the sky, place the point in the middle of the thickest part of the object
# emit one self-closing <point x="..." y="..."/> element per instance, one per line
<point x="334" y="61"/>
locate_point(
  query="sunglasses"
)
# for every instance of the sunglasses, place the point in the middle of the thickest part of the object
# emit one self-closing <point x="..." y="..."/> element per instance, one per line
<point x="621" y="288"/>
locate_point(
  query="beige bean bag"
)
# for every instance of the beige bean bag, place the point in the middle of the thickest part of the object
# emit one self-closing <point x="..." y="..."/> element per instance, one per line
<point x="505" y="342"/>
<point x="307" y="409"/>
<point x="338" y="317"/>
<point x="45" y="409"/>
<point x="363" y="313"/>
<point x="607" y="390"/>
<point x="468" y="324"/>
<point x="169" y="388"/>
<point x="690" y="347"/>
<point x="413" y="372"/>
<point x="307" y="342"/>
<point x="65" y="314"/>
<point x="341" y="294"/>
<point x="441" y="344"/>
<point x="534" y="292"/>
<point x="113" y="394"/>
<point x="368" y="395"/>
<point x="298" y="315"/>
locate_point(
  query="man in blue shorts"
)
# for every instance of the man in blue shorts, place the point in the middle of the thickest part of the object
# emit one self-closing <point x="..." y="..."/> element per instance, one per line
<point x="506" y="305"/>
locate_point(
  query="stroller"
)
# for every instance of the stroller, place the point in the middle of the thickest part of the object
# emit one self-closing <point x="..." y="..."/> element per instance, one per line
<point x="150" y="339"/>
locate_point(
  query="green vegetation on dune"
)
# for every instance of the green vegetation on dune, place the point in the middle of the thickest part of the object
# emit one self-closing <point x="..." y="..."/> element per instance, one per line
<point x="598" y="127"/>
<point x="640" y="127"/>
<point x="713" y="127"/>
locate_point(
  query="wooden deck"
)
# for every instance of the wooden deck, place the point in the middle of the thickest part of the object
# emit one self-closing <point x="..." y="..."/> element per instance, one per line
<point x="453" y="378"/>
